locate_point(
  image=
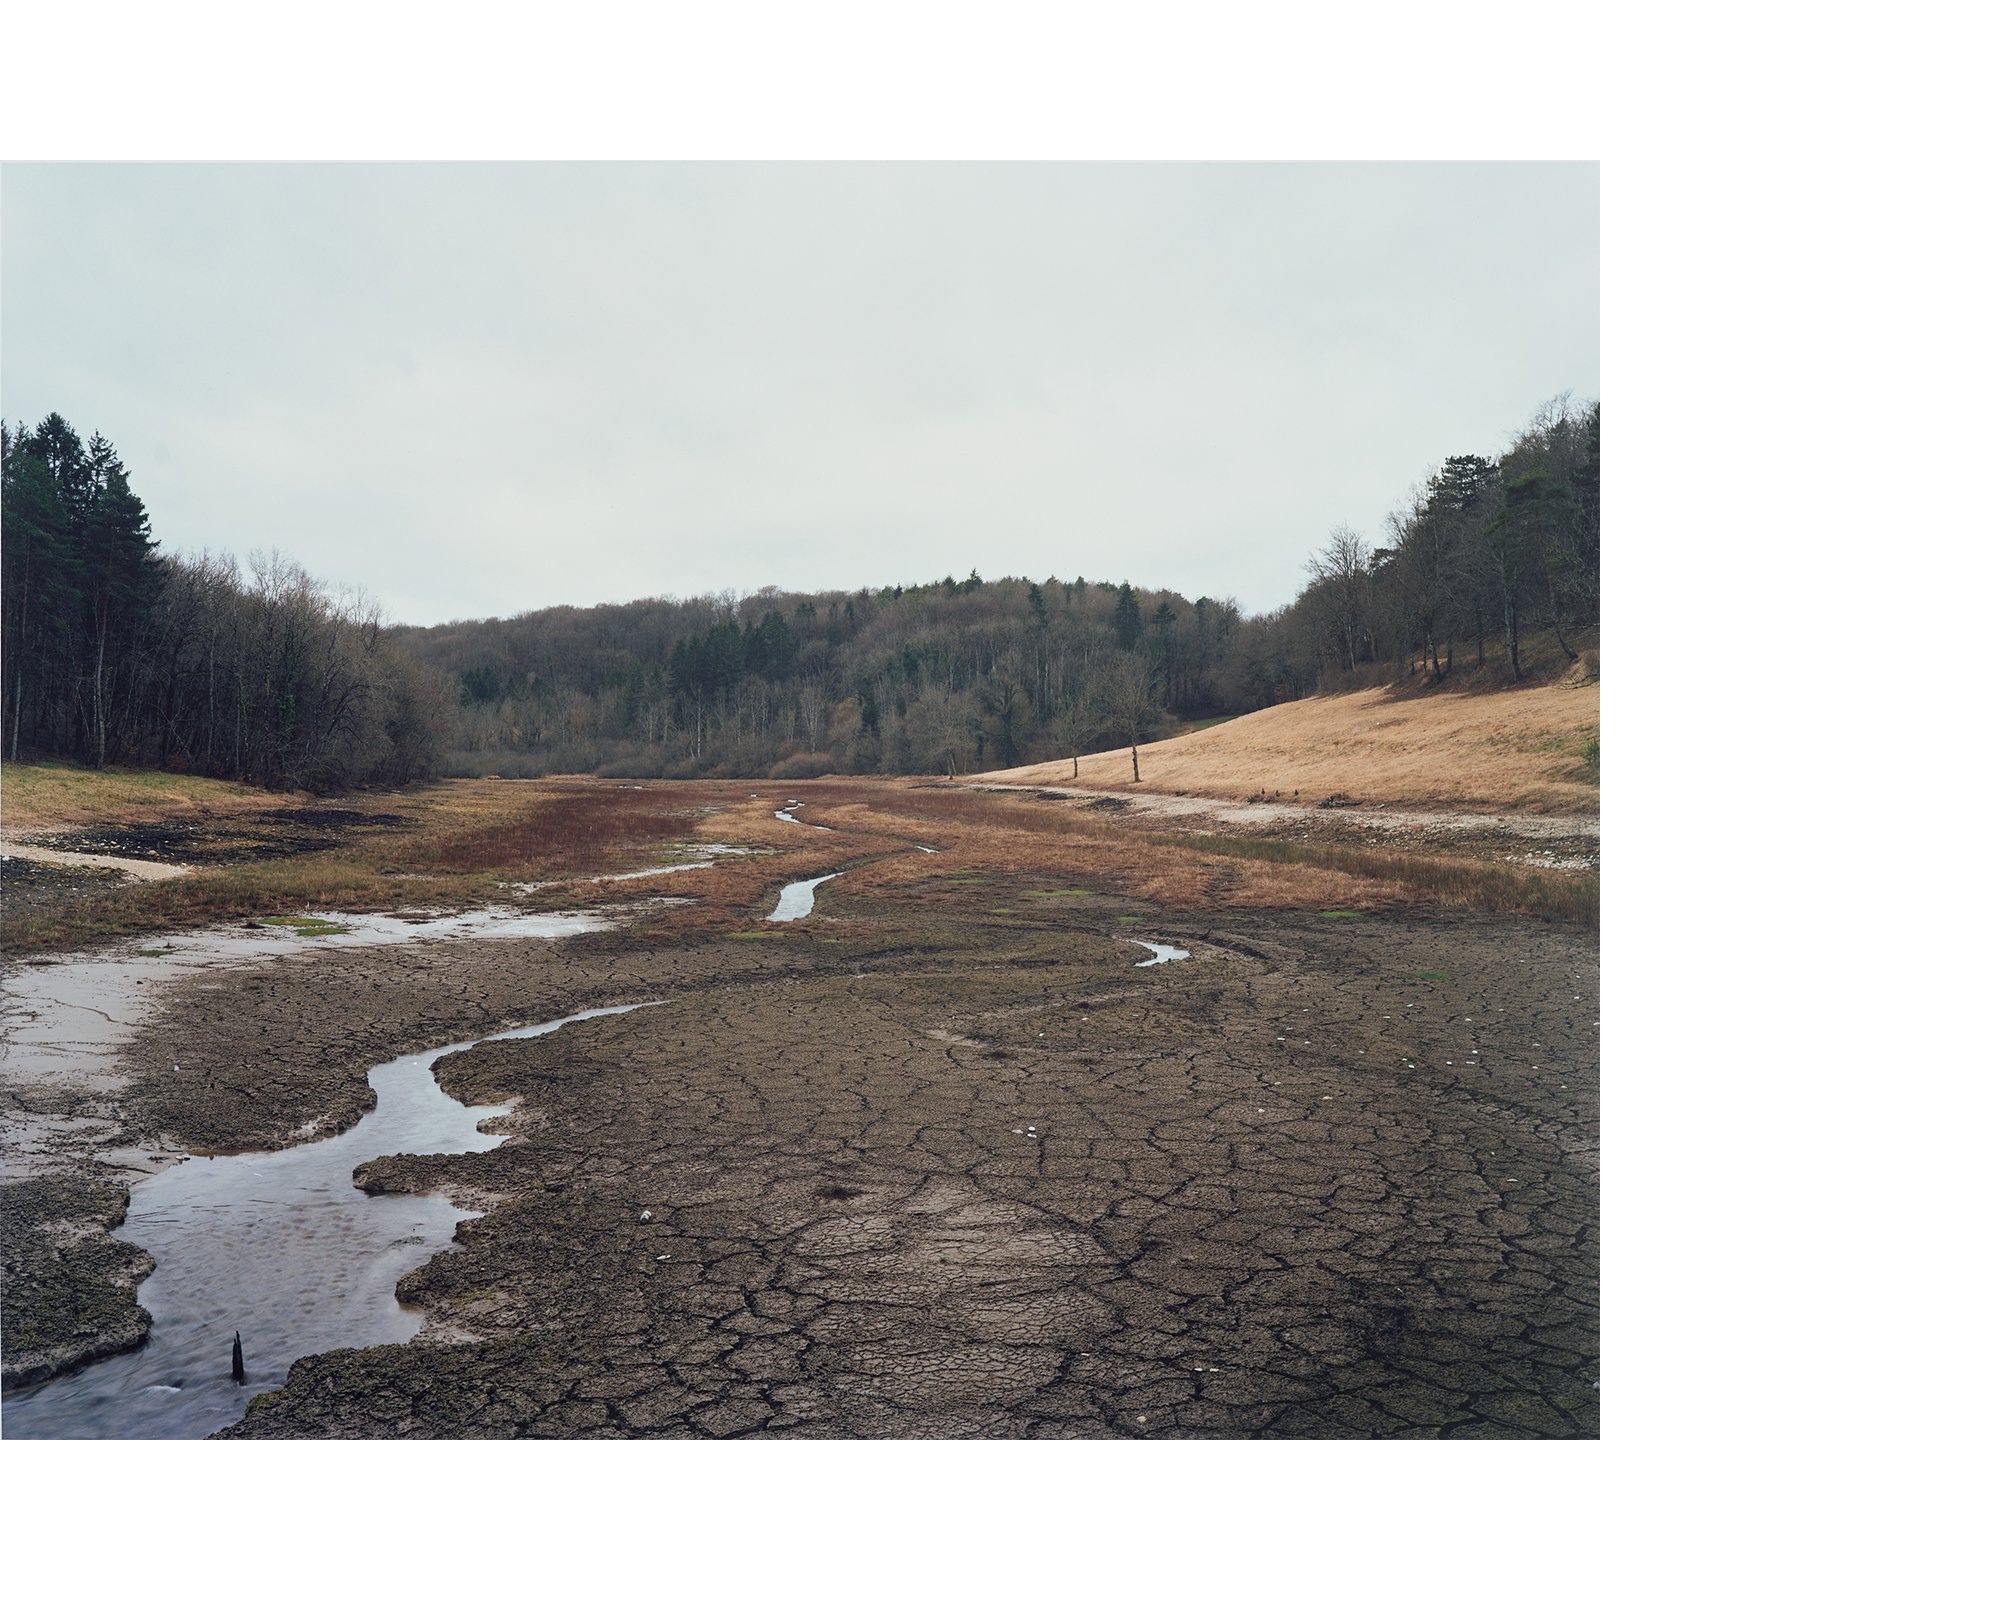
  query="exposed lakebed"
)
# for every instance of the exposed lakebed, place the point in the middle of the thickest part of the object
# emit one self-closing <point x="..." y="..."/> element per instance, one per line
<point x="279" y="1246"/>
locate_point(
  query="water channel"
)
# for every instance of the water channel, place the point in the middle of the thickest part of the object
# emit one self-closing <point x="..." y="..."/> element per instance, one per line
<point x="280" y="1247"/>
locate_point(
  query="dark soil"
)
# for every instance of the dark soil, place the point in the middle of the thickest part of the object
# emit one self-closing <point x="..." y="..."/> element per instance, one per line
<point x="28" y="886"/>
<point x="229" y="840"/>
<point x="68" y="1290"/>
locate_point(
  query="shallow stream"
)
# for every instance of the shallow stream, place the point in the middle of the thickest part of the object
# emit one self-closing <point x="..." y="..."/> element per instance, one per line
<point x="63" y="1022"/>
<point x="280" y="1247"/>
<point x="795" y="900"/>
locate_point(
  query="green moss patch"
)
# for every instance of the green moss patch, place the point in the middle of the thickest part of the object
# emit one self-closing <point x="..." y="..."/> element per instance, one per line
<point x="305" y="927"/>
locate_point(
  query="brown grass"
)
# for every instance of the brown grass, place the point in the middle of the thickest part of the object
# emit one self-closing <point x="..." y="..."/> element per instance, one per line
<point x="46" y="796"/>
<point x="1528" y="749"/>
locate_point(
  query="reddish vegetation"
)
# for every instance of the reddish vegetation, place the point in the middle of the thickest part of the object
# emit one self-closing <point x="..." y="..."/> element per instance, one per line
<point x="585" y="826"/>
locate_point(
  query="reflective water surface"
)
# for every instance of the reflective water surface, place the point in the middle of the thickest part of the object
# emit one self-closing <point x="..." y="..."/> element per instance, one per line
<point x="63" y="1022"/>
<point x="280" y="1247"/>
<point x="795" y="900"/>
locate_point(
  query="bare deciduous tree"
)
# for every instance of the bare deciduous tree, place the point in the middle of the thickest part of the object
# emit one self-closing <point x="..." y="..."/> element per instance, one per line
<point x="1127" y="707"/>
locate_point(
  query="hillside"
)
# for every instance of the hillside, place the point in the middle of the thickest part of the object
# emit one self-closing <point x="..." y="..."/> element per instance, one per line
<point x="1529" y="749"/>
<point x="42" y="795"/>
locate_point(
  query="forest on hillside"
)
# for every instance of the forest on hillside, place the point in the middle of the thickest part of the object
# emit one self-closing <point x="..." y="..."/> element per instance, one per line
<point x="972" y="673"/>
<point x="111" y="651"/>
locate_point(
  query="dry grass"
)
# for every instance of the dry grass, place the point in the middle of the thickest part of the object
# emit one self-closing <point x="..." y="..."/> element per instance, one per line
<point x="1528" y="749"/>
<point x="50" y="795"/>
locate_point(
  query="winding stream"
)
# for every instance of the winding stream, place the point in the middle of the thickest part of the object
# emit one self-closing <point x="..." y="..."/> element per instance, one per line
<point x="280" y="1247"/>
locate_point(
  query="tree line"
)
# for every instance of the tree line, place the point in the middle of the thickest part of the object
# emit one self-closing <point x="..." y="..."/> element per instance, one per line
<point x="1487" y="549"/>
<point x="112" y="652"/>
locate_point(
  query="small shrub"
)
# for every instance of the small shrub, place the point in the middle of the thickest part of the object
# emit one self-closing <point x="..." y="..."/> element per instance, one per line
<point x="806" y="764"/>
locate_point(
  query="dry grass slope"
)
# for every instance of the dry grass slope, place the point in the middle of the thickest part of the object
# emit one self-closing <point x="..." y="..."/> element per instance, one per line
<point x="1528" y="749"/>
<point x="57" y="794"/>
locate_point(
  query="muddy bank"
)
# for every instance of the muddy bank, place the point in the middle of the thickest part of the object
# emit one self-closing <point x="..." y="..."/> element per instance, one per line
<point x="27" y="885"/>
<point x="240" y="1061"/>
<point x="233" y="1040"/>
<point x="68" y="1292"/>
<point x="1330" y="1179"/>
<point x="271" y="1256"/>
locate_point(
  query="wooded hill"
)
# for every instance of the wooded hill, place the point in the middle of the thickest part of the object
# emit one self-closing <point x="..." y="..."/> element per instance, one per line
<point x="973" y="673"/>
<point x="113" y="652"/>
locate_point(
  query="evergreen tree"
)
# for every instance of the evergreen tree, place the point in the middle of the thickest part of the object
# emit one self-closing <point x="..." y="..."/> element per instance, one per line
<point x="1125" y="621"/>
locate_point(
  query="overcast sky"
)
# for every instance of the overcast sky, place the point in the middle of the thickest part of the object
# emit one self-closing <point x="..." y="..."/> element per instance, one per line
<point x="475" y="390"/>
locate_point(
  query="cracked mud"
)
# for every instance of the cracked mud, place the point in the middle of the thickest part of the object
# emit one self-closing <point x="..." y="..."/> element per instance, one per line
<point x="920" y="1170"/>
<point x="1284" y="1188"/>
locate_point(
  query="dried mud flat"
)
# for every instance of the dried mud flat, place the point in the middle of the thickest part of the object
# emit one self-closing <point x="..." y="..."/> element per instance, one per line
<point x="923" y="1169"/>
<point x="953" y="1182"/>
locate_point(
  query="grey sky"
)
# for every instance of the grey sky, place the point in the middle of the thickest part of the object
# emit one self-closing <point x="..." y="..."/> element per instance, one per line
<point x="474" y="390"/>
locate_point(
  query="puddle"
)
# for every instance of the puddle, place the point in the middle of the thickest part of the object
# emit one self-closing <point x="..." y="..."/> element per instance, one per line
<point x="1161" y="953"/>
<point x="795" y="900"/>
<point x="280" y="1247"/>
<point x="535" y="884"/>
